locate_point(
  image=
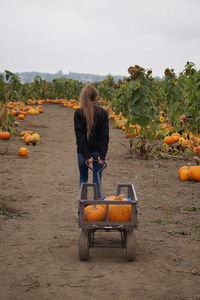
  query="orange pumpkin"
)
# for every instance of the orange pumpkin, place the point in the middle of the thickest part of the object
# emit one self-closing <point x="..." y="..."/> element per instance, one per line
<point x="112" y="116"/>
<point x="23" y="133"/>
<point x="176" y="136"/>
<point x="195" y="173"/>
<point x="182" y="168"/>
<point x="23" y="152"/>
<point x="72" y="101"/>
<point x="40" y="109"/>
<point x="24" y="113"/>
<point x="184" y="142"/>
<point x="30" y="101"/>
<point x="169" y="140"/>
<point x="21" y="116"/>
<point x="184" y="173"/>
<point x="96" y="212"/>
<point x="40" y="101"/>
<point x="119" y="212"/>
<point x="191" y="143"/>
<point x="76" y="107"/>
<point x="194" y="150"/>
<point x="127" y="135"/>
<point x="5" y="135"/>
<point x="111" y="198"/>
<point x="29" y="139"/>
<point x="14" y="112"/>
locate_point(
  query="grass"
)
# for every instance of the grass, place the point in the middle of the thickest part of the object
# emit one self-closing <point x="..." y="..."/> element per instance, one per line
<point x="161" y="221"/>
<point x="190" y="208"/>
<point x="8" y="212"/>
<point x="197" y="239"/>
<point x="173" y="232"/>
<point x="186" y="208"/>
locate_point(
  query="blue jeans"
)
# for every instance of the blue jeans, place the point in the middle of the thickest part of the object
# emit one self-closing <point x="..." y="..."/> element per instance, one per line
<point x="83" y="169"/>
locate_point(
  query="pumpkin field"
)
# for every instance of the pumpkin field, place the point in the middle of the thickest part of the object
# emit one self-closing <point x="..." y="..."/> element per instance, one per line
<point x="39" y="231"/>
<point x="155" y="147"/>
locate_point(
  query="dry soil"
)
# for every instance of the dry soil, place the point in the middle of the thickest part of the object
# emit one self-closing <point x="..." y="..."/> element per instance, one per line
<point x="39" y="231"/>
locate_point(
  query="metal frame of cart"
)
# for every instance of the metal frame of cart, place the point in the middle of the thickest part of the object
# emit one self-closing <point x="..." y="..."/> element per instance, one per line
<point x="126" y="229"/>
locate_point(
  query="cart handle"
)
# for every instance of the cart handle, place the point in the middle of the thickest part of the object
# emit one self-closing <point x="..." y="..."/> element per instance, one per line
<point x="104" y="165"/>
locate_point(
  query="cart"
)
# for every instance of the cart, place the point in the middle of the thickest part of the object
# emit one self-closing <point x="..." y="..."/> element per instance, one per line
<point x="89" y="228"/>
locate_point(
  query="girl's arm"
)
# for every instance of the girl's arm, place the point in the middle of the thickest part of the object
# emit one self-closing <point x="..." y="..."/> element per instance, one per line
<point x="80" y="129"/>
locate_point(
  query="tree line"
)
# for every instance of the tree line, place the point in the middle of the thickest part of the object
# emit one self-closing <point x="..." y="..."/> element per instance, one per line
<point x="28" y="77"/>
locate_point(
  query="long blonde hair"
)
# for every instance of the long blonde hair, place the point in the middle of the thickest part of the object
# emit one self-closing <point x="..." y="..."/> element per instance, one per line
<point x="88" y="97"/>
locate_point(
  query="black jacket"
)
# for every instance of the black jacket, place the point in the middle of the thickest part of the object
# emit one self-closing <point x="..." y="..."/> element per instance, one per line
<point x="99" y="138"/>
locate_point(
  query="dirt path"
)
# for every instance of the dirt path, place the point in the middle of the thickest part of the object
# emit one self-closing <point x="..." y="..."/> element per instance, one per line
<point x="39" y="248"/>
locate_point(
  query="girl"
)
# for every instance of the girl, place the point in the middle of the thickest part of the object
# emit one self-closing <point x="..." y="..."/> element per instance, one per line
<point x="92" y="134"/>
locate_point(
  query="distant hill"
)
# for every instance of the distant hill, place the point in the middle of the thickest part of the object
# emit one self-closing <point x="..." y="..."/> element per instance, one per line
<point x="83" y="77"/>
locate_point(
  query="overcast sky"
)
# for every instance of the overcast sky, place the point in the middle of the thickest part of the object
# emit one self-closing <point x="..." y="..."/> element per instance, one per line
<point x="98" y="36"/>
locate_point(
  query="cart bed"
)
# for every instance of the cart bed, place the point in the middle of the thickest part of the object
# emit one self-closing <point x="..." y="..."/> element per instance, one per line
<point x="106" y="224"/>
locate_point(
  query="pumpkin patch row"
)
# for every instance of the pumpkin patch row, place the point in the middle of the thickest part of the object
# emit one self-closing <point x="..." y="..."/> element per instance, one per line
<point x="19" y="110"/>
<point x="186" y="140"/>
<point x="34" y="107"/>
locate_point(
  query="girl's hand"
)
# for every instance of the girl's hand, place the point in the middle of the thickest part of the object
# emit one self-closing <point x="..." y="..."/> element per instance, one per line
<point x="100" y="161"/>
<point x="90" y="161"/>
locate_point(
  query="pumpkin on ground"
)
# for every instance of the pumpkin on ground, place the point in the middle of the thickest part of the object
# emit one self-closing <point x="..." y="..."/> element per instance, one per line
<point x="5" y="135"/>
<point x="120" y="123"/>
<point x="176" y="136"/>
<point x="14" y="112"/>
<point x="76" y="107"/>
<point x="30" y="139"/>
<point x="189" y="173"/>
<point x="27" y="139"/>
<point x="23" y="152"/>
<point x="195" y="173"/>
<point x="169" y="140"/>
<point x="36" y="136"/>
<point x="184" y="142"/>
<point x="23" y="133"/>
<point x="33" y="112"/>
<point x="184" y="173"/>
<point x="21" y="116"/>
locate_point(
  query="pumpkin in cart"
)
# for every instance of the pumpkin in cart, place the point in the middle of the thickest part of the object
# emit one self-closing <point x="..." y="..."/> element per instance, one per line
<point x="93" y="213"/>
<point x="119" y="212"/>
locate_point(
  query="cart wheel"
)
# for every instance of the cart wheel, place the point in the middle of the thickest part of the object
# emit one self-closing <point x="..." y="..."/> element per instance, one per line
<point x="130" y="246"/>
<point x="83" y="245"/>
